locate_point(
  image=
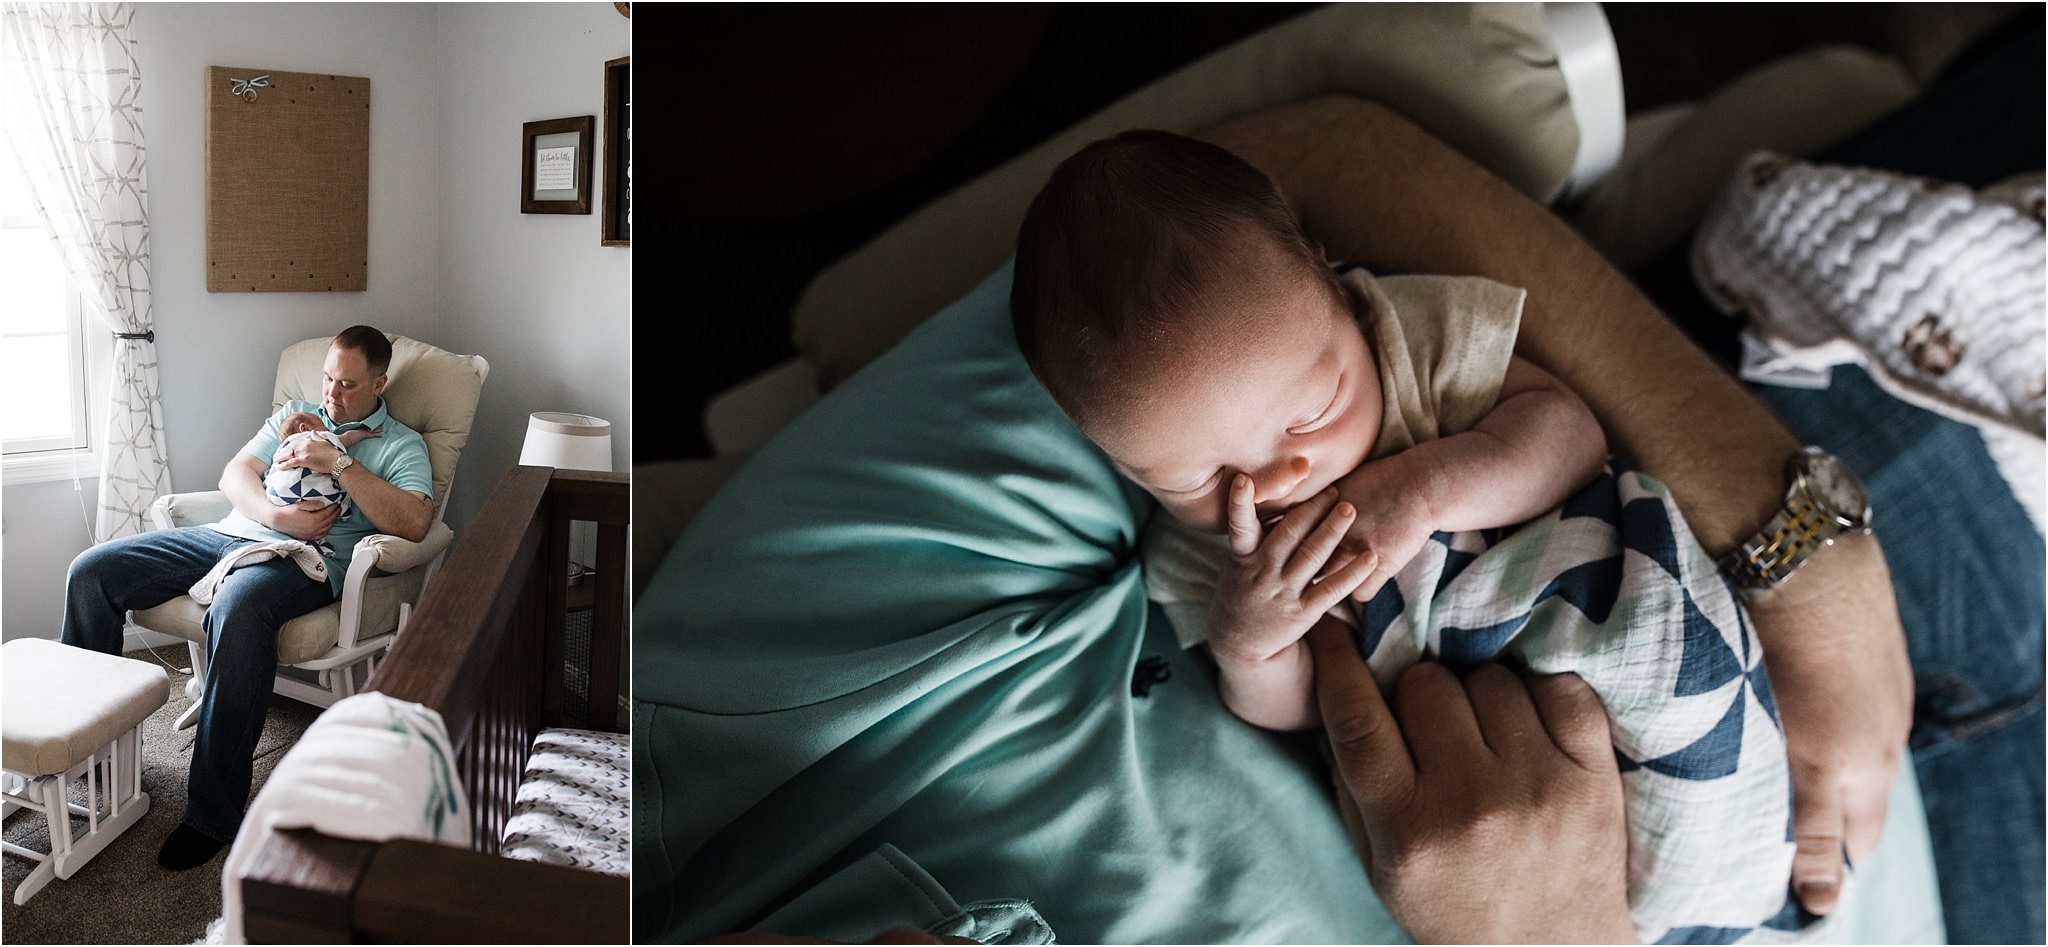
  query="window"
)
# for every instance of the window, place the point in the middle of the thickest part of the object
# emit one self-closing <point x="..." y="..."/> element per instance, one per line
<point x="50" y="346"/>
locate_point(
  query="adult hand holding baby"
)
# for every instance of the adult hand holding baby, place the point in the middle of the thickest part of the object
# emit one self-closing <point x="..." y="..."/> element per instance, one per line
<point x="311" y="453"/>
<point x="307" y="521"/>
<point x="1499" y="820"/>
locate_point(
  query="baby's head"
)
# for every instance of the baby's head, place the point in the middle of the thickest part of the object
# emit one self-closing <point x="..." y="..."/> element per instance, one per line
<point x="1167" y="298"/>
<point x="299" y="422"/>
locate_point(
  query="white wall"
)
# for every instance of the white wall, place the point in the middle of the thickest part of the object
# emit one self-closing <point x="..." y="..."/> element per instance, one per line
<point x="217" y="352"/>
<point x="44" y="529"/>
<point x="533" y="293"/>
<point x="452" y="261"/>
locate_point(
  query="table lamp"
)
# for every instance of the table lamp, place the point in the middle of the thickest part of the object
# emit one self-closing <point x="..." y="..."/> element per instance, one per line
<point x="570" y="442"/>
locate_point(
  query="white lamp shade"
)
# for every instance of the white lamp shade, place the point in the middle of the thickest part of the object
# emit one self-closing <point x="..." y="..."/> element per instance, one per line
<point x="567" y="441"/>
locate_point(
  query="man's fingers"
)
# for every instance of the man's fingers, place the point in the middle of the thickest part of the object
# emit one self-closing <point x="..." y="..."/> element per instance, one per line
<point x="1450" y="742"/>
<point x="1863" y="823"/>
<point x="1314" y="552"/>
<point x="1507" y="716"/>
<point x="1369" y="753"/>
<point x="1243" y="517"/>
<point x="1575" y="719"/>
<point x="1817" y="822"/>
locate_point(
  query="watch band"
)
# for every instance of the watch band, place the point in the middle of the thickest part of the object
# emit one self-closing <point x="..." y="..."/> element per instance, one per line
<point x="1769" y="557"/>
<point x="1824" y="500"/>
<point x="342" y="463"/>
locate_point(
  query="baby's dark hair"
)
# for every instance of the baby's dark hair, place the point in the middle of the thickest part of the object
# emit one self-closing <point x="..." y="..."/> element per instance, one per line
<point x="1129" y="233"/>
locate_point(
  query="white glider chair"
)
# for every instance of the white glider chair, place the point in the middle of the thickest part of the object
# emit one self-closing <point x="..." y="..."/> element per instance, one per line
<point x="335" y="649"/>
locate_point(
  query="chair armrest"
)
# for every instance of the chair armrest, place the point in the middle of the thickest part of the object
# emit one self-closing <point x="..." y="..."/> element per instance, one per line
<point x="190" y="509"/>
<point x="387" y="553"/>
<point x="396" y="569"/>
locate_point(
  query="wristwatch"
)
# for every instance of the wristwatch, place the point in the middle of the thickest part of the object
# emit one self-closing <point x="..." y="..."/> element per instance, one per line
<point x="1824" y="502"/>
<point x="341" y="463"/>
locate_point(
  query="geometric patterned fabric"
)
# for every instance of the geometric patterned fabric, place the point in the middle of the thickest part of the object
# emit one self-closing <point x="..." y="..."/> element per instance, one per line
<point x="1613" y="587"/>
<point x="70" y="101"/>
<point x="288" y="486"/>
<point x="574" y="805"/>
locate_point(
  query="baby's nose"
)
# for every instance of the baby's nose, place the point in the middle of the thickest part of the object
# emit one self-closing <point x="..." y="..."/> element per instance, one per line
<point x="1278" y="484"/>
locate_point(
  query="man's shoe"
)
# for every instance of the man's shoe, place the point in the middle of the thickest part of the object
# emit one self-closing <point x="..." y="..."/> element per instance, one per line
<point x="187" y="848"/>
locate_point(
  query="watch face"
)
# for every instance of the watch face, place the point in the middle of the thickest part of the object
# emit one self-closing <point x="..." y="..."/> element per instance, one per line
<point x="1831" y="483"/>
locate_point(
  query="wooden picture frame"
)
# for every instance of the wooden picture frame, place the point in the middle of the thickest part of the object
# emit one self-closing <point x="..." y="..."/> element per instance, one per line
<point x="616" y="227"/>
<point x="544" y="165"/>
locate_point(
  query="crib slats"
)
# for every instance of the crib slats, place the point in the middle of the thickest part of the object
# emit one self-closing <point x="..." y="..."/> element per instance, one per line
<point x="607" y="627"/>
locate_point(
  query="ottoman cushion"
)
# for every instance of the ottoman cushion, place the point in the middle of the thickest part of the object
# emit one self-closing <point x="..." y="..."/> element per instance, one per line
<point x="63" y="703"/>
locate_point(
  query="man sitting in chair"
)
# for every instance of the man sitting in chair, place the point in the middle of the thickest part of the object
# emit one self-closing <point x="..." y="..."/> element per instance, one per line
<point x="390" y="483"/>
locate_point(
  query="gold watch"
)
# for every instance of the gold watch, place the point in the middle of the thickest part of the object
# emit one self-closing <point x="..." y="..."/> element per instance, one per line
<point x="341" y="463"/>
<point x="1824" y="502"/>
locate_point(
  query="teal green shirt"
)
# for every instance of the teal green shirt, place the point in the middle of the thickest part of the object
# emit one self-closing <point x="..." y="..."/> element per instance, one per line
<point x="399" y="457"/>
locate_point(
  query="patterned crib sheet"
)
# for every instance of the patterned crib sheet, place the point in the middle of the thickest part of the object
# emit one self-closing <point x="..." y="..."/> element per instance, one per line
<point x="573" y="806"/>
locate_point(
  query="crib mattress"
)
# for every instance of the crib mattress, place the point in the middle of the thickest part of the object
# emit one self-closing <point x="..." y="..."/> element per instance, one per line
<point x="573" y="806"/>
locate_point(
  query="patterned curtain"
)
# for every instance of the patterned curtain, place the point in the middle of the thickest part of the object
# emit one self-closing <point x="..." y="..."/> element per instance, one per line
<point x="70" y="102"/>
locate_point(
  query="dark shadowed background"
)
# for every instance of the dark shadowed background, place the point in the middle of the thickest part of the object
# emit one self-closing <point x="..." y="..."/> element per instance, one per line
<point x="772" y="139"/>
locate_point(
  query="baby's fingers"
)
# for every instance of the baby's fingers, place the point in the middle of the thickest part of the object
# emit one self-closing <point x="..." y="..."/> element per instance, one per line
<point x="1310" y="557"/>
<point x="1242" y="516"/>
<point x="1325" y="594"/>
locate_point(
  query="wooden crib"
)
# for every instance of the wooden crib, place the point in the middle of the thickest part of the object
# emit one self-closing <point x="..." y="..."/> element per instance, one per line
<point x="486" y="650"/>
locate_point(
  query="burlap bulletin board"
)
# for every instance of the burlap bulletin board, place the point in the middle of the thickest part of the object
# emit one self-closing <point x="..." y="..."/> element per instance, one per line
<point x="287" y="181"/>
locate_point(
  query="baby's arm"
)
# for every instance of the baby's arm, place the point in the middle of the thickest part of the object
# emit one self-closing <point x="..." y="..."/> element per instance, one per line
<point x="1535" y="448"/>
<point x="1266" y="601"/>
<point x="359" y="435"/>
<point x="1539" y="445"/>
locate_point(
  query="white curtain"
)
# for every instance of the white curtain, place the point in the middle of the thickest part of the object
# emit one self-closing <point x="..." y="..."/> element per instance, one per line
<point x="70" y="103"/>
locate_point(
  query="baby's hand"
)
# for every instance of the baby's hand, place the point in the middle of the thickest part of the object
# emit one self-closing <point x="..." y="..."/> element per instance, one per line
<point x="1395" y="521"/>
<point x="1267" y="598"/>
<point x="359" y="435"/>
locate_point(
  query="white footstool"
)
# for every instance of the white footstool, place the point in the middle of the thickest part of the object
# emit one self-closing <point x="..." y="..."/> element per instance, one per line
<point x="69" y="714"/>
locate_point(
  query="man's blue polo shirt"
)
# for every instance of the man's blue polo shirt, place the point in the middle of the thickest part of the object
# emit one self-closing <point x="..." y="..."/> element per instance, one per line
<point x="399" y="457"/>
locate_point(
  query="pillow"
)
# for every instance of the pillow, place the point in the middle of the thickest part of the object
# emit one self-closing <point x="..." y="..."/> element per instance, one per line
<point x="914" y="620"/>
<point x="1481" y="76"/>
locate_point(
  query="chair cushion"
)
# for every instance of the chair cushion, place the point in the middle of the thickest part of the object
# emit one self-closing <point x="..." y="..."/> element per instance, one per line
<point x="62" y="703"/>
<point x="301" y="639"/>
<point x="431" y="390"/>
<point x="575" y="802"/>
<point x="1481" y="76"/>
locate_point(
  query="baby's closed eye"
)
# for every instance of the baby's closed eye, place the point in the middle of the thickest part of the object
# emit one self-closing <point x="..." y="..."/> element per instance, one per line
<point x="1197" y="488"/>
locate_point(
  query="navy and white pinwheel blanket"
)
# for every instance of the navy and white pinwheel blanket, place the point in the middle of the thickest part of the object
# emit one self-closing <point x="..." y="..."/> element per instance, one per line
<point x="1613" y="587"/>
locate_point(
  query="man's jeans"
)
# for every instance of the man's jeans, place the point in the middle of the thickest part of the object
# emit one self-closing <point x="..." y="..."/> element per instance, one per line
<point x="137" y="572"/>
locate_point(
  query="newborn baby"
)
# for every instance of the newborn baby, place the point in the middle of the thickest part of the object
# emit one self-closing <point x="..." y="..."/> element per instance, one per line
<point x="1168" y="300"/>
<point x="285" y="486"/>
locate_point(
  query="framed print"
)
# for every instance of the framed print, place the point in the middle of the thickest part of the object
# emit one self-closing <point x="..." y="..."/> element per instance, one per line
<point x="554" y="166"/>
<point x="616" y="228"/>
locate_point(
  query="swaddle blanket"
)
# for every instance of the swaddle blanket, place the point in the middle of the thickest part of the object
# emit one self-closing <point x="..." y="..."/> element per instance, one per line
<point x="1613" y="587"/>
<point x="289" y="486"/>
<point x="371" y="767"/>
<point x="1936" y="288"/>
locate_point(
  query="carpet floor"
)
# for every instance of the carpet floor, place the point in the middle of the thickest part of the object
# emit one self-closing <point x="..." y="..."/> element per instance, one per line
<point x="121" y="896"/>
